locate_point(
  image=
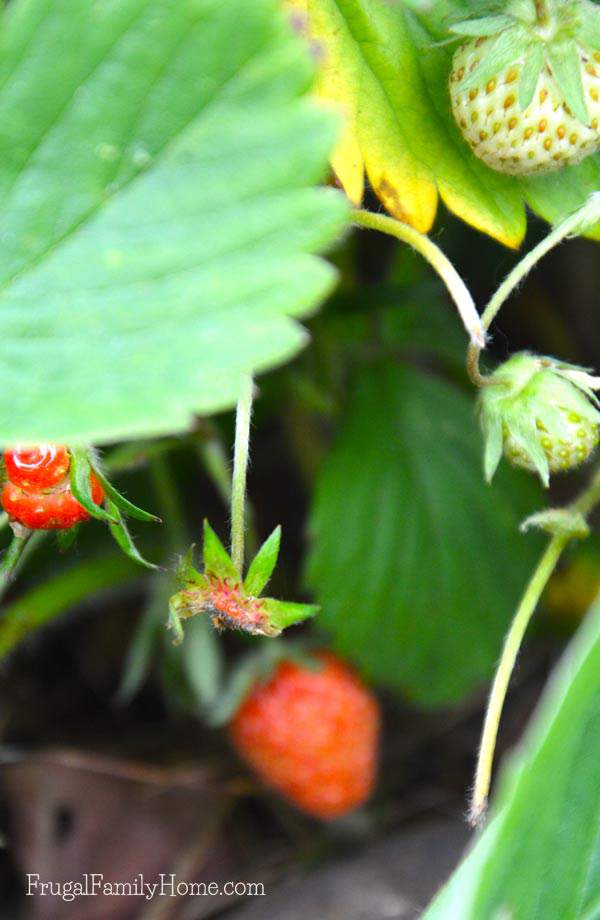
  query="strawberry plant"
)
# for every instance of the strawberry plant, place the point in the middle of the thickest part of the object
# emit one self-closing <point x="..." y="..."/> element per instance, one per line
<point x="314" y="280"/>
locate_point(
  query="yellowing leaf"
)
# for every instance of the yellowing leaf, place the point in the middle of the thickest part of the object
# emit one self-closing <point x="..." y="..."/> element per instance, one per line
<point x="389" y="79"/>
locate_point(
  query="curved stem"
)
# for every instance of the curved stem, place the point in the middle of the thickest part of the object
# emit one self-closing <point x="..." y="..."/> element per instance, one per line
<point x="438" y="261"/>
<point x="512" y="644"/>
<point x="584" y="504"/>
<point x="576" y="222"/>
<point x="240" y="469"/>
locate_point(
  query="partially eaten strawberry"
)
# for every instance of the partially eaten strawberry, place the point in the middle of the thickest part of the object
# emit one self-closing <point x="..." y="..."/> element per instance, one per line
<point x="233" y="602"/>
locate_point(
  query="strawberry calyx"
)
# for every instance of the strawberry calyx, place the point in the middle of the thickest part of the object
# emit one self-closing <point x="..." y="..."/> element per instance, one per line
<point x="541" y="413"/>
<point x="229" y="600"/>
<point x="519" y="36"/>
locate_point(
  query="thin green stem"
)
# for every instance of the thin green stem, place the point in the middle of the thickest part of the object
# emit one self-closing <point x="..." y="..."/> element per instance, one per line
<point x="584" y="504"/>
<point x="11" y="559"/>
<point x="510" y="651"/>
<point x="574" y="223"/>
<point x="240" y="470"/>
<point x="169" y="501"/>
<point x="438" y="261"/>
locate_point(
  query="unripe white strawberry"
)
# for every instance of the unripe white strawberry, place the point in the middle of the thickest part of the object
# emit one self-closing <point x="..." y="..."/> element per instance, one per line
<point x="539" y="412"/>
<point x="525" y="94"/>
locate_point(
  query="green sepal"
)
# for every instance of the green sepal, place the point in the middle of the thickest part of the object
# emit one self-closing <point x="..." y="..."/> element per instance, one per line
<point x="588" y="31"/>
<point x="524" y="433"/>
<point x="176" y="602"/>
<point x="187" y="573"/>
<point x="217" y="560"/>
<point x="530" y="74"/>
<point x="504" y="50"/>
<point x="202" y="661"/>
<point x="80" y="487"/>
<point x="123" y="538"/>
<point x="66" y="538"/>
<point x="566" y="70"/>
<point x="263" y="564"/>
<point x="493" y="436"/>
<point x="121" y="502"/>
<point x="559" y="522"/>
<point x="483" y="27"/>
<point x="282" y="614"/>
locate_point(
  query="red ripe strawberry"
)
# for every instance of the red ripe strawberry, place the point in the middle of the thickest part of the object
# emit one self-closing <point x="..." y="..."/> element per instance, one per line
<point x="36" y="468"/>
<point x="57" y="510"/>
<point x="312" y="734"/>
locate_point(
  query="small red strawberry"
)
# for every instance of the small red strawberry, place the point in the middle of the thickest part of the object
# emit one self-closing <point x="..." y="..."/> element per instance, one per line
<point x="40" y="467"/>
<point x="312" y="734"/>
<point x="56" y="510"/>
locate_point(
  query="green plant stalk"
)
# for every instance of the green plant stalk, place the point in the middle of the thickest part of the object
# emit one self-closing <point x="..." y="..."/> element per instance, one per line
<point x="240" y="470"/>
<point x="534" y="590"/>
<point x="216" y="463"/>
<point x="169" y="502"/>
<point x="438" y="261"/>
<point x="512" y="644"/>
<point x="11" y="559"/>
<point x="575" y="222"/>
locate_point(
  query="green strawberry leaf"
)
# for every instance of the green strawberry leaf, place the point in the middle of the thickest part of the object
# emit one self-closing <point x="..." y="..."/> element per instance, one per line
<point x="390" y="79"/>
<point x="282" y="614"/>
<point x="217" y="560"/>
<point x="55" y="596"/>
<point x="119" y="530"/>
<point x="263" y="564"/>
<point x="81" y="488"/>
<point x="122" y="503"/>
<point x="399" y="506"/>
<point x="158" y="211"/>
<point x="566" y="70"/>
<point x="387" y="68"/>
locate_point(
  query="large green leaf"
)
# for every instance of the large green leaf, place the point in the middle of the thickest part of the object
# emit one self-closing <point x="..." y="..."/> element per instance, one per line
<point x="386" y="67"/>
<point x="389" y="78"/>
<point x="156" y="214"/>
<point x="539" y="859"/>
<point x="417" y="564"/>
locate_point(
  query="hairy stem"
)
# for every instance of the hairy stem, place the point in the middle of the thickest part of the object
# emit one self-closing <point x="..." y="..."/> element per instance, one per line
<point x="512" y="644"/>
<point x="584" y="504"/>
<point x="576" y="222"/>
<point x="438" y="261"/>
<point x="240" y="469"/>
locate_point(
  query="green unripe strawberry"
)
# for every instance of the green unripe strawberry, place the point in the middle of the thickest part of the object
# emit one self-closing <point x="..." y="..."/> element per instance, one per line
<point x="525" y="93"/>
<point x="541" y="413"/>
